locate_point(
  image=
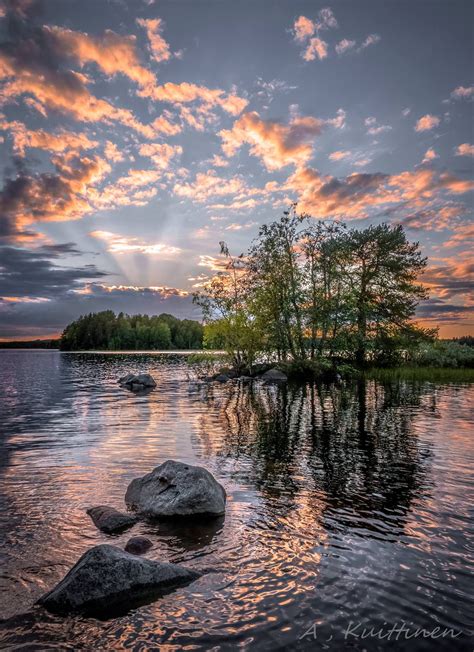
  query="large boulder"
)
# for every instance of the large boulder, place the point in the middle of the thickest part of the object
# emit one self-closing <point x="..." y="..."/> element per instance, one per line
<point x="274" y="376"/>
<point x="176" y="489"/>
<point x="109" y="520"/>
<point x="137" y="382"/>
<point x="106" y="578"/>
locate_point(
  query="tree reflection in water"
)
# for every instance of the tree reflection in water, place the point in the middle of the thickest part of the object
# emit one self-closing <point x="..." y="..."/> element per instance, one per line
<point x="353" y="448"/>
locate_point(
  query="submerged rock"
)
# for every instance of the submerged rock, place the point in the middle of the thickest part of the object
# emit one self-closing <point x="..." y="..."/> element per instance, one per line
<point x="109" y="520"/>
<point x="107" y="578"/>
<point x="176" y="489"/>
<point x="222" y="378"/>
<point x="274" y="376"/>
<point x="138" y="545"/>
<point x="137" y="382"/>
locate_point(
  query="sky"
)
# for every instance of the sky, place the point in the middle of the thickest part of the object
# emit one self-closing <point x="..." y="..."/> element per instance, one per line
<point x="137" y="134"/>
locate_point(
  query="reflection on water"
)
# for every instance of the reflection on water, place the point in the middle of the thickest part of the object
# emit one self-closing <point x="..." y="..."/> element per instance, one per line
<point x="345" y="504"/>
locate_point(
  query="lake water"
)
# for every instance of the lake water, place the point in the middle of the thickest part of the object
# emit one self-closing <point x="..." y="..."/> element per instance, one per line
<point x="348" y="507"/>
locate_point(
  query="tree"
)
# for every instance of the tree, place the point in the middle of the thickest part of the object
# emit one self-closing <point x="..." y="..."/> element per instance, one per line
<point x="229" y="321"/>
<point x="381" y="274"/>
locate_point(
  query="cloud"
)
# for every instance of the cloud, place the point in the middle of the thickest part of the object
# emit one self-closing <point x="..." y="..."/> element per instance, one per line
<point x="463" y="93"/>
<point x="430" y="155"/>
<point x="24" y="138"/>
<point x="111" y="52"/>
<point x="45" y="197"/>
<point x="303" y="29"/>
<point x="160" y="153"/>
<point x="435" y="311"/>
<point x="210" y="184"/>
<point x="374" y="128"/>
<point x="455" y="278"/>
<point x="340" y="155"/>
<point x="427" y="122"/>
<point x="159" y="48"/>
<point x="40" y="318"/>
<point x="121" y="244"/>
<point x="315" y="48"/>
<point x="186" y="92"/>
<point x="465" y="150"/>
<point x="35" y="273"/>
<point x="406" y="112"/>
<point x="112" y="152"/>
<point x="344" y="46"/>
<point x="276" y="144"/>
<point x="371" y="39"/>
<point x="362" y="195"/>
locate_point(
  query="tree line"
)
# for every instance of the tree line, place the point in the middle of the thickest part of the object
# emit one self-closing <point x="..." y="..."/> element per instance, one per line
<point x="107" y="331"/>
<point x="309" y="290"/>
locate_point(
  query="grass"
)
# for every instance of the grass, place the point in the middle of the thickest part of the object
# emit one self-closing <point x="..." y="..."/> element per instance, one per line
<point x="434" y="374"/>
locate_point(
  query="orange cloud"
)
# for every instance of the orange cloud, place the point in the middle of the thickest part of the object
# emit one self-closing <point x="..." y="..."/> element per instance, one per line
<point x="186" y="92"/>
<point x="427" y="122"/>
<point x="339" y="155"/>
<point x="430" y="155"/>
<point x="47" y="197"/>
<point x="112" y="152"/>
<point x="113" y="53"/>
<point x="160" y="50"/>
<point x="465" y="150"/>
<point x="160" y="153"/>
<point x="303" y="28"/>
<point x="315" y="48"/>
<point x="276" y="144"/>
<point x="24" y="138"/>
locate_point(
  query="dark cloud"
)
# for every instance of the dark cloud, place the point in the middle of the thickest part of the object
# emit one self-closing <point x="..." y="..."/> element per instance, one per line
<point x="36" y="272"/>
<point x="37" y="319"/>
<point x="439" y="311"/>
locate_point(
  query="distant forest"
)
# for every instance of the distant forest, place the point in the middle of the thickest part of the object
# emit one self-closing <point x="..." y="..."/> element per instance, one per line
<point x="108" y="331"/>
<point x="30" y="344"/>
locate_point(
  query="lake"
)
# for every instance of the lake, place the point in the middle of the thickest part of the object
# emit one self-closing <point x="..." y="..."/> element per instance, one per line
<point x="348" y="507"/>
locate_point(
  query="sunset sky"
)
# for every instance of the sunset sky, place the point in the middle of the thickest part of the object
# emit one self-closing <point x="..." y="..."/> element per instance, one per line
<point x="137" y="134"/>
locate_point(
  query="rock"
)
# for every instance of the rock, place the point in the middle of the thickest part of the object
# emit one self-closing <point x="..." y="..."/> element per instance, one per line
<point x="246" y="379"/>
<point x="124" y="380"/>
<point x="109" y="520"/>
<point x="274" y="376"/>
<point x="146" y="380"/>
<point x="138" y="545"/>
<point x="222" y="378"/>
<point x="106" y="578"/>
<point x="137" y="382"/>
<point x="176" y="489"/>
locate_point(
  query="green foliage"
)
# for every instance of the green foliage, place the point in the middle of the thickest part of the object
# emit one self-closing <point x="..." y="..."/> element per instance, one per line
<point x="314" y="290"/>
<point x="444" y="354"/>
<point x="422" y="374"/>
<point x="106" y="331"/>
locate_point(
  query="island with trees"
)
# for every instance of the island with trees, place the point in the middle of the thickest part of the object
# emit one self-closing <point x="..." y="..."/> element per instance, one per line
<point x="107" y="331"/>
<point x="314" y="295"/>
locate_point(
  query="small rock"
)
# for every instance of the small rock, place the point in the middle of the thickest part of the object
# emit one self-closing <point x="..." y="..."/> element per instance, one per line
<point x="138" y="545"/>
<point x="176" y="489"/>
<point x="106" y="578"/>
<point x="137" y="382"/>
<point x="221" y="378"/>
<point x="246" y="379"/>
<point x="274" y="376"/>
<point x="109" y="520"/>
